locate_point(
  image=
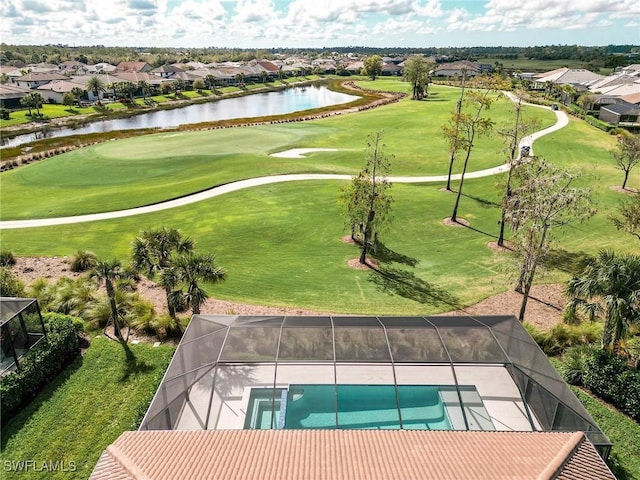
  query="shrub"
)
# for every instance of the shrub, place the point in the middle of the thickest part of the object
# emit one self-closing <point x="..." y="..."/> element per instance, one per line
<point x="574" y="363"/>
<point x="10" y="284"/>
<point x="610" y="378"/>
<point x="562" y="336"/>
<point x="7" y="259"/>
<point x="82" y="261"/>
<point x="39" y="365"/>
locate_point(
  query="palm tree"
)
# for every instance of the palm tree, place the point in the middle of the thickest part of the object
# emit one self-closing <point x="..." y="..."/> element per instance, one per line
<point x="95" y="85"/>
<point x="108" y="271"/>
<point x="145" y="88"/>
<point x="608" y="286"/>
<point x="151" y="253"/>
<point x="191" y="269"/>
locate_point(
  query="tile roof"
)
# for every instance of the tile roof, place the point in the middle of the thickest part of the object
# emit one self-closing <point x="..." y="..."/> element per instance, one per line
<point x="349" y="454"/>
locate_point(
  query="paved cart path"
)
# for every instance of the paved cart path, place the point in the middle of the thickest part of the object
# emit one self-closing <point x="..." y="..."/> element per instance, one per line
<point x="561" y="121"/>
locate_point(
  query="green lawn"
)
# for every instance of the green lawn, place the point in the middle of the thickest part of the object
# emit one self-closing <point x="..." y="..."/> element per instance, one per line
<point x="623" y="432"/>
<point x="152" y="168"/>
<point x="281" y="243"/>
<point x="84" y="409"/>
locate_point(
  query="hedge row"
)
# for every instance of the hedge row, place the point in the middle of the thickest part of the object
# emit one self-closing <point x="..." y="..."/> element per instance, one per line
<point x="40" y="365"/>
<point x="610" y="378"/>
<point x="607" y="376"/>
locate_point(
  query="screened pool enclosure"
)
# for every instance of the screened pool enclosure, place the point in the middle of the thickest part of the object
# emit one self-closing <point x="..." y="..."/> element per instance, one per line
<point x="452" y="373"/>
<point x="21" y="327"/>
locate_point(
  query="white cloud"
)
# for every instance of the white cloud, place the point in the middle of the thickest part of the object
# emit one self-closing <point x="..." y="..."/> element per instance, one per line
<point x="269" y="23"/>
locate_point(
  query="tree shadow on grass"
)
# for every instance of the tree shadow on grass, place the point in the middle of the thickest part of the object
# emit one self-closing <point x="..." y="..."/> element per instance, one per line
<point x="406" y="284"/>
<point x="385" y="255"/>
<point x="15" y="424"/>
<point x="132" y="365"/>
<point x="565" y="261"/>
<point x="484" y="203"/>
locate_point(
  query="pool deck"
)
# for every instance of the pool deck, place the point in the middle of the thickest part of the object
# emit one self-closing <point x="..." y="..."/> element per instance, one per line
<point x="226" y="407"/>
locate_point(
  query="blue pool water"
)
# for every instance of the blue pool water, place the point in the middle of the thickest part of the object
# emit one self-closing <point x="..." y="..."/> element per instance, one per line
<point x="348" y="407"/>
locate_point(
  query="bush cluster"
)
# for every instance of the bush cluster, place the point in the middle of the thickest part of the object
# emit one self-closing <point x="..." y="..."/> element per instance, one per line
<point x="606" y="375"/>
<point x="610" y="378"/>
<point x="40" y="365"/>
<point x="562" y="336"/>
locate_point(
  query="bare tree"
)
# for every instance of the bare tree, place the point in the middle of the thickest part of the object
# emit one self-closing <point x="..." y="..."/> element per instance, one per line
<point x="453" y="138"/>
<point x="513" y="134"/>
<point x="367" y="203"/>
<point x="544" y="199"/>
<point x="463" y="128"/>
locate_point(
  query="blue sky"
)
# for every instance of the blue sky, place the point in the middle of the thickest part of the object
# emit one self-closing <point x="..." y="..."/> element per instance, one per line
<point x="320" y="23"/>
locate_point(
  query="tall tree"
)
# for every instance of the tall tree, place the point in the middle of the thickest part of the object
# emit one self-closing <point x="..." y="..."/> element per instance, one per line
<point x="108" y="271"/>
<point x="95" y="85"/>
<point x="512" y="134"/>
<point x="416" y="72"/>
<point x="454" y="135"/>
<point x="464" y="127"/>
<point x="629" y="218"/>
<point x="191" y="269"/>
<point x="627" y="154"/>
<point x="609" y="286"/>
<point x="544" y="199"/>
<point x="152" y="252"/>
<point x="367" y="203"/>
<point x="372" y="66"/>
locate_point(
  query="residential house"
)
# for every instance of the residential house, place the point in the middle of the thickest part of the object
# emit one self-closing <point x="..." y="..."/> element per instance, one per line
<point x="622" y="113"/>
<point x="11" y="94"/>
<point x="391" y="69"/>
<point x="54" y="91"/>
<point x="456" y="69"/>
<point x="34" y="80"/>
<point x="565" y="76"/>
<point x="360" y="398"/>
<point x="101" y="67"/>
<point x="166" y="71"/>
<point x="72" y="67"/>
<point x="107" y="80"/>
<point x="133" y="67"/>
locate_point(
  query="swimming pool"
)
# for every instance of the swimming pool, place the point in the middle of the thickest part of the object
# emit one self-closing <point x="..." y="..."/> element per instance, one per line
<point x="348" y="407"/>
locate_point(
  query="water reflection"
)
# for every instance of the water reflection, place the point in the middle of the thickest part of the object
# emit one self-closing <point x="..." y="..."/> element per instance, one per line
<point x="256" y="105"/>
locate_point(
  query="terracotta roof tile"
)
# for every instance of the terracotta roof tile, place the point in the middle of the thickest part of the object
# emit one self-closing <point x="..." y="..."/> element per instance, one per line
<point x="348" y="454"/>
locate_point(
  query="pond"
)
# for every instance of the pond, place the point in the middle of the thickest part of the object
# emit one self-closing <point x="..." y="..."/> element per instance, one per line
<point x="257" y="105"/>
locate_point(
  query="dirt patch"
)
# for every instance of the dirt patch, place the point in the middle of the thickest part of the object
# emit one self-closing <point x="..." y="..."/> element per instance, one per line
<point x="355" y="263"/>
<point x="627" y="190"/>
<point x="348" y="239"/>
<point x="544" y="309"/>
<point x="460" y="222"/>
<point x="506" y="247"/>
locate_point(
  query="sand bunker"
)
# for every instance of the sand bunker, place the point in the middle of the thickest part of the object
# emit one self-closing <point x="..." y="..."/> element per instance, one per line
<point x="300" y="152"/>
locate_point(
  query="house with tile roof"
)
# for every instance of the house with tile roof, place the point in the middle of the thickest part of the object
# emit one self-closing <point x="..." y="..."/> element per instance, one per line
<point x="133" y="67"/>
<point x="621" y="113"/>
<point x="360" y="397"/>
<point x="566" y="76"/>
<point x="34" y="79"/>
<point x="11" y="94"/>
<point x="55" y="91"/>
<point x="456" y="69"/>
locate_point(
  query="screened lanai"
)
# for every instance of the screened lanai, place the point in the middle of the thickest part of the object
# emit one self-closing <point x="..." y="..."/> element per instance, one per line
<point x="333" y="372"/>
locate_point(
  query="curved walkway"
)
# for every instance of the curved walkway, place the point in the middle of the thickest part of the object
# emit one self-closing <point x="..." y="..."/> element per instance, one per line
<point x="561" y="121"/>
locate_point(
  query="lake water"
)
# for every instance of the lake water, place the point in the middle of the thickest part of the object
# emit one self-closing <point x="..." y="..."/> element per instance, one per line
<point x="256" y="105"/>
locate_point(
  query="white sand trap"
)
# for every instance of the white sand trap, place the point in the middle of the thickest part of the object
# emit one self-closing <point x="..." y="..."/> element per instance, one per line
<point x="300" y="152"/>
